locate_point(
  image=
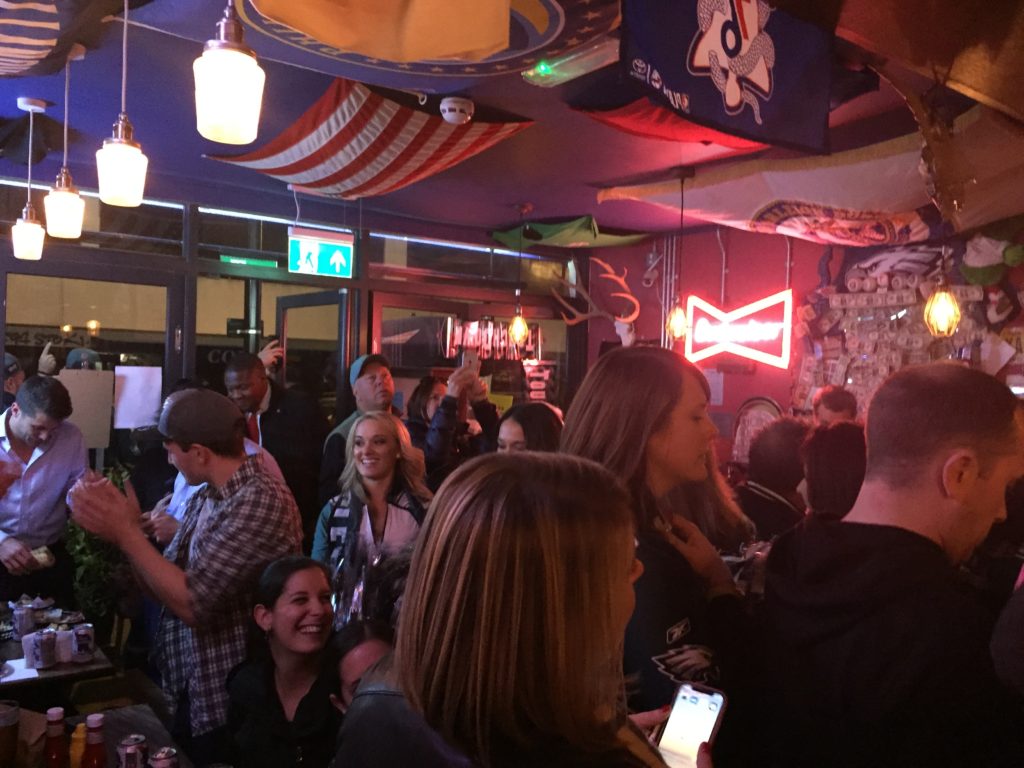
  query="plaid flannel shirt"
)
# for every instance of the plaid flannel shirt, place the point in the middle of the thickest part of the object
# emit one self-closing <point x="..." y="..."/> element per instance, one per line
<point x="247" y="524"/>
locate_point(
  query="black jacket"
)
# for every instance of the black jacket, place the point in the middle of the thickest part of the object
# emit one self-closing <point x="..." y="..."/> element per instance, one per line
<point x="292" y="429"/>
<point x="260" y="735"/>
<point x="877" y="655"/>
<point x="445" y="442"/>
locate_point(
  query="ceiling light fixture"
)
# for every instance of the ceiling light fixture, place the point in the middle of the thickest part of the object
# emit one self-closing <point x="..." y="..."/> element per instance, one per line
<point x="65" y="208"/>
<point x="942" y="310"/>
<point x="576" y="63"/>
<point x="229" y="85"/>
<point x="27" y="233"/>
<point x="120" y="164"/>
<point x="518" y="330"/>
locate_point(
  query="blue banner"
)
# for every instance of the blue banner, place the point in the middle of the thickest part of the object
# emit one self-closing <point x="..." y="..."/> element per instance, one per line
<point x="734" y="65"/>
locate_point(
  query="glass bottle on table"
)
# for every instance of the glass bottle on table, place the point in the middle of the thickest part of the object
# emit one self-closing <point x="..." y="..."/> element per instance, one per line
<point x="55" y="748"/>
<point x="95" y="755"/>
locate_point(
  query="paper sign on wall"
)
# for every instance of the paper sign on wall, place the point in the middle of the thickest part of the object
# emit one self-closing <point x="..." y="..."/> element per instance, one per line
<point x="92" y="398"/>
<point x="136" y="395"/>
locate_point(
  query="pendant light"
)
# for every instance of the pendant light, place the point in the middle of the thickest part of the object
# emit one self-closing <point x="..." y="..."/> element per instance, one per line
<point x="676" y="322"/>
<point x="942" y="311"/>
<point x="518" y="330"/>
<point x="65" y="208"/>
<point x="120" y="164"/>
<point x="27" y="233"/>
<point x="229" y="85"/>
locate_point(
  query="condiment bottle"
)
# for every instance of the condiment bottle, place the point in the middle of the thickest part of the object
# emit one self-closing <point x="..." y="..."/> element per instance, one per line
<point x="95" y="754"/>
<point x="77" y="746"/>
<point x="55" y="749"/>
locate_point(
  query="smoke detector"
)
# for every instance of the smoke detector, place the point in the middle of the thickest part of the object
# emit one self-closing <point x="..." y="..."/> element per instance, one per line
<point x="456" y="110"/>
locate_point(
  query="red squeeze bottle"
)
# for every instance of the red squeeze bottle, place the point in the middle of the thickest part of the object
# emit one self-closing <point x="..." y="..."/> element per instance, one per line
<point x="95" y="754"/>
<point x="55" y="749"/>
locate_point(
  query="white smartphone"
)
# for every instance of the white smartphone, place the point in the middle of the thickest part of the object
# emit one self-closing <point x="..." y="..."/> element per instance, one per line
<point x="471" y="357"/>
<point x="694" y="719"/>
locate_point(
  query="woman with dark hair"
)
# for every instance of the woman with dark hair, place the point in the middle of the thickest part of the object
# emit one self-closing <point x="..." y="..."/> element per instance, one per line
<point x="279" y="710"/>
<point x="835" y="458"/>
<point x="653" y="438"/>
<point x="529" y="427"/>
<point x="438" y="424"/>
<point x="509" y="645"/>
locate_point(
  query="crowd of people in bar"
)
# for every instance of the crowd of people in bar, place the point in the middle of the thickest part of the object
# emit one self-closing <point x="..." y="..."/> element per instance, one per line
<point x="460" y="587"/>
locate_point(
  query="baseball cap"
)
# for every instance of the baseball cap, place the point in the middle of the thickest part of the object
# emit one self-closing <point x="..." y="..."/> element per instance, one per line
<point x="356" y="369"/>
<point x="199" y="416"/>
<point x="80" y="357"/>
<point x="11" y="365"/>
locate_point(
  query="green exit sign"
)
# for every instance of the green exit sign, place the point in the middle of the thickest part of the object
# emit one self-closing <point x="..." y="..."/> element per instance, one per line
<point x="318" y="252"/>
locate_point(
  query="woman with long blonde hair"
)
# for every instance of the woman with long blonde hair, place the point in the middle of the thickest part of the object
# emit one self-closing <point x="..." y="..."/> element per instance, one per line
<point x="510" y="638"/>
<point x="380" y="507"/>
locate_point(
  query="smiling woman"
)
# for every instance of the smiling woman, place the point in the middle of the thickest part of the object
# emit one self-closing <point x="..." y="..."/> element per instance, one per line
<point x="280" y="714"/>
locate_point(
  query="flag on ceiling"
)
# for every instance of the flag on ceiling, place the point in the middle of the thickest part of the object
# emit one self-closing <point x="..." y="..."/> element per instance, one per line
<point x="577" y="233"/>
<point x="869" y="196"/>
<point x="356" y="143"/>
<point x="735" y="65"/>
<point x="642" y="118"/>
<point x="411" y="30"/>
<point x="36" y="35"/>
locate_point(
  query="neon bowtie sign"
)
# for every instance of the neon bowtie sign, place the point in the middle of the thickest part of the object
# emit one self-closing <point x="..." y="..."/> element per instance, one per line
<point x="760" y="331"/>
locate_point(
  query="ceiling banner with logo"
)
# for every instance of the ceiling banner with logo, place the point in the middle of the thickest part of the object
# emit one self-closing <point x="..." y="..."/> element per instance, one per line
<point x="745" y="69"/>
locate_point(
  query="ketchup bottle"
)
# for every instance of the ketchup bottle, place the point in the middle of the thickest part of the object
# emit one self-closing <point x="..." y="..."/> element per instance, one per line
<point x="95" y="755"/>
<point x="55" y="749"/>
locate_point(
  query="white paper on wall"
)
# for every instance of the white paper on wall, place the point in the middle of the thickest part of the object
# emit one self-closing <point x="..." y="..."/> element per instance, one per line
<point x="136" y="395"/>
<point x="92" y="398"/>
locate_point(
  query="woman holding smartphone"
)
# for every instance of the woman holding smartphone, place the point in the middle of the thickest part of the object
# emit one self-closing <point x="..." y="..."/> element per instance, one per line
<point x="510" y="637"/>
<point x="653" y="438"/>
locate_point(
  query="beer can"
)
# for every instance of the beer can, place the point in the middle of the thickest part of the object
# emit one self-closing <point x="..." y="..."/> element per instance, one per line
<point x="165" y="757"/>
<point x="44" y="645"/>
<point x="24" y="622"/>
<point x="135" y="744"/>
<point x="83" y="643"/>
<point x="132" y="758"/>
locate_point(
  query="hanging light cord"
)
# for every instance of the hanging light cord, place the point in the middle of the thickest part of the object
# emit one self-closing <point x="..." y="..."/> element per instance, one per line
<point x="67" y="91"/>
<point x="31" y="127"/>
<point x="124" y="61"/>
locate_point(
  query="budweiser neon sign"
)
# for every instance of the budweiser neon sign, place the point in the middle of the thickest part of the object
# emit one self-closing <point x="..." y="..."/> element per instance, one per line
<point x="759" y="331"/>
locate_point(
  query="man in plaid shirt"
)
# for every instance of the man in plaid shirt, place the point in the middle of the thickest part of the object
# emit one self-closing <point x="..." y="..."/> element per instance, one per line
<point x="242" y="520"/>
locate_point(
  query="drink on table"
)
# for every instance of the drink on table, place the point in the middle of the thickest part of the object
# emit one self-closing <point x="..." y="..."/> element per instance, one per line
<point x="95" y="755"/>
<point x="10" y="713"/>
<point x="55" y="749"/>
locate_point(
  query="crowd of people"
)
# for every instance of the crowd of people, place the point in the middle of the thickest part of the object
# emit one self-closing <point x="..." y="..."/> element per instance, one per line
<point x="463" y="588"/>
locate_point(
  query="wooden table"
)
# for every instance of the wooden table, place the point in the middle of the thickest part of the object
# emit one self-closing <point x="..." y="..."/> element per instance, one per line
<point x="138" y="718"/>
<point x="67" y="672"/>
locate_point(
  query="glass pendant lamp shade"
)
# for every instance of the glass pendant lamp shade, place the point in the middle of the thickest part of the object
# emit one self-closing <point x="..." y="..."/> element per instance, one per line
<point x="676" y="322"/>
<point x="27" y="235"/>
<point x="65" y="208"/>
<point x="518" y="330"/>
<point x="229" y="95"/>
<point x="229" y="85"/>
<point x="942" y="312"/>
<point x="121" y="167"/>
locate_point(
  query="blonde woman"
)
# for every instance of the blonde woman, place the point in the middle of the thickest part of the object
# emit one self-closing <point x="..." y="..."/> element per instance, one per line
<point x="510" y="639"/>
<point x="380" y="507"/>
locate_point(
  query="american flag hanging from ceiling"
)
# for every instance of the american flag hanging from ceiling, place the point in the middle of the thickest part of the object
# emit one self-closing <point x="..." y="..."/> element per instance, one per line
<point x="356" y="143"/>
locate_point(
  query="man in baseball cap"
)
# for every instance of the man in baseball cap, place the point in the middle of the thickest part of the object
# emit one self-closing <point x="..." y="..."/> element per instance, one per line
<point x="14" y="375"/>
<point x="374" y="389"/>
<point x="242" y="520"/>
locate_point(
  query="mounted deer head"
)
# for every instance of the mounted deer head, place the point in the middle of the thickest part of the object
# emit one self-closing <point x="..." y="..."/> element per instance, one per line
<point x="623" y="323"/>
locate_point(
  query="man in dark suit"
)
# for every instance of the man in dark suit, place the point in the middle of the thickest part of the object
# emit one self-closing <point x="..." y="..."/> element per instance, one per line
<point x="288" y="423"/>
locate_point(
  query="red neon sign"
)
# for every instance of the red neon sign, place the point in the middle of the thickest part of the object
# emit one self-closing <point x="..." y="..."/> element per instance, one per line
<point x="760" y="331"/>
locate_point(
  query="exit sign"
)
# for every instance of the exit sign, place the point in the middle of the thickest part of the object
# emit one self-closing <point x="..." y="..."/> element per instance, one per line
<point x="319" y="252"/>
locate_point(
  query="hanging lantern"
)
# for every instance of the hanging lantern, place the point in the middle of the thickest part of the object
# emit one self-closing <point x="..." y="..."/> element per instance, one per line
<point x="65" y="208"/>
<point x="229" y="85"/>
<point x="675" y="324"/>
<point x="120" y="165"/>
<point x="27" y="234"/>
<point x="518" y="330"/>
<point x="942" y="311"/>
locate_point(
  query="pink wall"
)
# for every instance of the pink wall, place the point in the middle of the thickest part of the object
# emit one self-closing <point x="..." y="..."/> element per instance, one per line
<point x="757" y="268"/>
